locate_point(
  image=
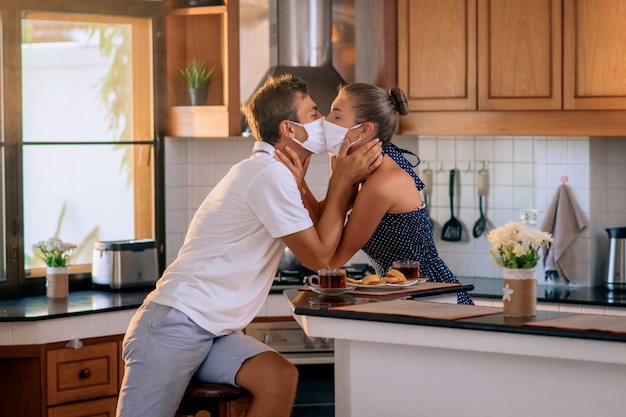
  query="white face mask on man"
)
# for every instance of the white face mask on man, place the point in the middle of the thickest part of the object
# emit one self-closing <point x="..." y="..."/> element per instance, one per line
<point x="335" y="135"/>
<point x="315" y="142"/>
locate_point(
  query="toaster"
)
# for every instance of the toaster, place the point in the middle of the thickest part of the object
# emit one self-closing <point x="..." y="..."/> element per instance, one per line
<point x="125" y="263"/>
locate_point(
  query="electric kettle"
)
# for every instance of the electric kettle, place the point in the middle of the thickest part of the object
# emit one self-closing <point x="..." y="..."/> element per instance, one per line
<point x="616" y="268"/>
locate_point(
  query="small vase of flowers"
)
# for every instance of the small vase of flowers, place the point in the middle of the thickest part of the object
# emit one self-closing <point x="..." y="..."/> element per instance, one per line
<point x="56" y="254"/>
<point x="515" y="247"/>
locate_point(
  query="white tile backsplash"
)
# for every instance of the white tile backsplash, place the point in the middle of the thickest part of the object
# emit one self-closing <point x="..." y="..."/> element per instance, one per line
<point x="525" y="172"/>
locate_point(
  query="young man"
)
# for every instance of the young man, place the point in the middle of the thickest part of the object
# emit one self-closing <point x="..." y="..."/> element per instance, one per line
<point x="191" y="323"/>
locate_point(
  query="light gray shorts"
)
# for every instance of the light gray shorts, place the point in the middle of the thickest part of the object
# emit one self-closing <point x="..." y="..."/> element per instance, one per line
<point x="163" y="349"/>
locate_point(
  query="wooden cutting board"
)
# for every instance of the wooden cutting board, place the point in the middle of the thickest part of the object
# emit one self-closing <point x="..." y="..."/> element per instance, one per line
<point x="423" y="309"/>
<point x="597" y="322"/>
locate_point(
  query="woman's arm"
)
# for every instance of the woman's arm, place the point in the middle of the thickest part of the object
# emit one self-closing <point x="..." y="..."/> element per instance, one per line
<point x="389" y="189"/>
<point x="315" y="246"/>
<point x="372" y="202"/>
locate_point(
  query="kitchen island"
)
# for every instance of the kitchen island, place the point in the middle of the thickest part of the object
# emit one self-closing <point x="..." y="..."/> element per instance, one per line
<point x="489" y="365"/>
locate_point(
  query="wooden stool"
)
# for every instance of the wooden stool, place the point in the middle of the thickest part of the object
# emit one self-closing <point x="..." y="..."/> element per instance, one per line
<point x="220" y="400"/>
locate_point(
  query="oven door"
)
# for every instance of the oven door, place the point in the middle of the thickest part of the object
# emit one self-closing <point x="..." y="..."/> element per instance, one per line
<point x="314" y="358"/>
<point x="315" y="396"/>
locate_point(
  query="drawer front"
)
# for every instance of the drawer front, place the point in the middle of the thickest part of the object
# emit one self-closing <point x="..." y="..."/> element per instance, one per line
<point x="104" y="407"/>
<point x="81" y="374"/>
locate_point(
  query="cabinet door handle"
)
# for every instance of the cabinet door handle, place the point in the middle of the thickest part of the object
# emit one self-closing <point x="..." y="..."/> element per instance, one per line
<point x="84" y="373"/>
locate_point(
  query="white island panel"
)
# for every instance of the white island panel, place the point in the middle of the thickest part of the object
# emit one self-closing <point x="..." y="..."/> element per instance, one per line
<point x="395" y="369"/>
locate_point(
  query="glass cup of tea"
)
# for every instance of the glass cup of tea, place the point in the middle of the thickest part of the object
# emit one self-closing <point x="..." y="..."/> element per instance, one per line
<point x="329" y="278"/>
<point x="410" y="269"/>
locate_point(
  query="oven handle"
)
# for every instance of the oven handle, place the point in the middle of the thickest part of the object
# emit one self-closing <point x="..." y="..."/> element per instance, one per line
<point x="310" y="358"/>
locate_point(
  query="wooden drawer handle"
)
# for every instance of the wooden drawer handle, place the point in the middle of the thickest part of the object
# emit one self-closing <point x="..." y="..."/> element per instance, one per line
<point x="84" y="373"/>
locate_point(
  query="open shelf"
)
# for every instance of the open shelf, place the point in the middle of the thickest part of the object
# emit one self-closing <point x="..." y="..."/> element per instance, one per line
<point x="194" y="11"/>
<point x="199" y="121"/>
<point x="209" y="34"/>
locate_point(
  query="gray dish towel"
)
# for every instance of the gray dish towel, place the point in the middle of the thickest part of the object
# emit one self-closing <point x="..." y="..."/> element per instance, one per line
<point x="565" y="221"/>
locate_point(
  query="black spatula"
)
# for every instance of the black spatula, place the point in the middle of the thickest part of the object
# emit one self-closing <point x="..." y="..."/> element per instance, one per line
<point x="452" y="229"/>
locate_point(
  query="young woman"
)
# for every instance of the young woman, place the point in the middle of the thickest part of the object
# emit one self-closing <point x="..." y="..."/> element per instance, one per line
<point x="389" y="219"/>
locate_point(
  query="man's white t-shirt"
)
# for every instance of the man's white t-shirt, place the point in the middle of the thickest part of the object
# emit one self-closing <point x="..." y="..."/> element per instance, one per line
<point x="225" y="268"/>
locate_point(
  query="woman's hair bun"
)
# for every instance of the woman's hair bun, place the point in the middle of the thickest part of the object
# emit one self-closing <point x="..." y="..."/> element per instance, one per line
<point x="398" y="98"/>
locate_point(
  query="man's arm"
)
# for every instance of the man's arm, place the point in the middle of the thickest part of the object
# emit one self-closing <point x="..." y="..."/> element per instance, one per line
<point x="315" y="246"/>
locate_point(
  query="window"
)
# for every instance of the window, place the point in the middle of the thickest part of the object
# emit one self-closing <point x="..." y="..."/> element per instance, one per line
<point x="86" y="158"/>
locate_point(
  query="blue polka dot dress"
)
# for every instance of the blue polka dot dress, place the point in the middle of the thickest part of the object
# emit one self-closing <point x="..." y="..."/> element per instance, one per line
<point x="409" y="236"/>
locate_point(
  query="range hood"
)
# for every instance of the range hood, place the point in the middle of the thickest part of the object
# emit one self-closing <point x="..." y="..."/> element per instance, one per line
<point x="301" y="44"/>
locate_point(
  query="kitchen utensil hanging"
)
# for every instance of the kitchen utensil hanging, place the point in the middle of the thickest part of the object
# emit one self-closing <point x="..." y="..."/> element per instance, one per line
<point x="483" y="190"/>
<point x="427" y="179"/>
<point x="452" y="229"/>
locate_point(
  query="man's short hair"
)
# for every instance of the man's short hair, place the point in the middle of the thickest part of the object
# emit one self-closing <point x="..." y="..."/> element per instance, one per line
<point x="272" y="103"/>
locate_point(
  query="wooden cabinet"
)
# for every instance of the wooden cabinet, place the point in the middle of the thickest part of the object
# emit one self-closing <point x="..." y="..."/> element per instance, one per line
<point x="480" y="54"/>
<point x="594" y="54"/>
<point x="519" y="55"/>
<point x="80" y="374"/>
<point x="508" y="67"/>
<point x="209" y="34"/>
<point x="104" y="407"/>
<point x="53" y="380"/>
<point x="437" y="53"/>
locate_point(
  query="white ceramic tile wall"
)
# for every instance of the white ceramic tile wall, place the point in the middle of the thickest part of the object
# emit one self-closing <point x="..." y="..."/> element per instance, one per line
<point x="525" y="172"/>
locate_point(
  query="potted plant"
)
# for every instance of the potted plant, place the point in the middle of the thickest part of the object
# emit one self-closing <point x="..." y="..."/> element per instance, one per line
<point x="515" y="247"/>
<point x="56" y="254"/>
<point x="198" y="79"/>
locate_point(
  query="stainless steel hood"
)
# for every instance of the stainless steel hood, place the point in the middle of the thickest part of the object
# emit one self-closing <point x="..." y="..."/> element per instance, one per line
<point x="301" y="44"/>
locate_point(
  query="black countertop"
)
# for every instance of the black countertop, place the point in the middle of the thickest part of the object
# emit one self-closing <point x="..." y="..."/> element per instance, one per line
<point x="565" y="294"/>
<point x="103" y="300"/>
<point x="307" y="303"/>
<point x="77" y="303"/>
<point x="96" y="301"/>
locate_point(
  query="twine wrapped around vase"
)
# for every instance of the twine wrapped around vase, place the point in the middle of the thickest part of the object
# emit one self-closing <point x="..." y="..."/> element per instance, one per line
<point x="57" y="282"/>
<point x="519" y="292"/>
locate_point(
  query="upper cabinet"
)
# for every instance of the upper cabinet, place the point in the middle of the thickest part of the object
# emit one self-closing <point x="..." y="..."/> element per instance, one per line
<point x="594" y="54"/>
<point x="519" y="55"/>
<point x="532" y="67"/>
<point x="437" y="53"/>
<point x="209" y="34"/>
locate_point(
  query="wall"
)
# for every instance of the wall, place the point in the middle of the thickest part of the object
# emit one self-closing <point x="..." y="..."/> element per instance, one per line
<point x="525" y="172"/>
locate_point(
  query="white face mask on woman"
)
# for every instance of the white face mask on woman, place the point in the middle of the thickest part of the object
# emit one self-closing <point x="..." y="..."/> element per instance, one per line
<point x="335" y="135"/>
<point x="316" y="142"/>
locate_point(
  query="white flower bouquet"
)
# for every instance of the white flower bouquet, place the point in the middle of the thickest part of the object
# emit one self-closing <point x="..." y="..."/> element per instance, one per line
<point x="54" y="252"/>
<point x="516" y="246"/>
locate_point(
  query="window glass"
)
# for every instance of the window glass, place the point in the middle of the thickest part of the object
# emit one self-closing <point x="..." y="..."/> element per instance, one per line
<point x="3" y="266"/>
<point x="76" y="81"/>
<point x="78" y="193"/>
<point x="84" y="173"/>
<point x="3" y="243"/>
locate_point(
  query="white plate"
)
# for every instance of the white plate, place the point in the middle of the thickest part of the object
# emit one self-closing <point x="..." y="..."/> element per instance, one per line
<point x="332" y="291"/>
<point x="386" y="287"/>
